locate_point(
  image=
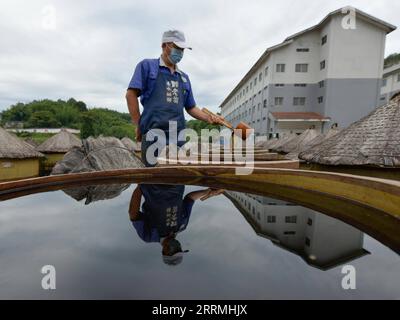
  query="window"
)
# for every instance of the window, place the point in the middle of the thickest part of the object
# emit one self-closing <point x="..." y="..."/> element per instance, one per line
<point x="322" y="65"/>
<point x="309" y="221"/>
<point x="302" y="49"/>
<point x="255" y="81"/>
<point x="291" y="219"/>
<point x="260" y="77"/>
<point x="299" y="101"/>
<point x="263" y="118"/>
<point x="300" y="84"/>
<point x="320" y="99"/>
<point x="251" y="85"/>
<point x="398" y="77"/>
<point x="265" y="103"/>
<point x="278" y="101"/>
<point x="266" y="71"/>
<point x="308" y="242"/>
<point x="271" y="219"/>
<point x="301" y="67"/>
<point x="324" y="40"/>
<point x="321" y="84"/>
<point x="247" y="89"/>
<point x="289" y="233"/>
<point x="384" y="82"/>
<point x="280" y="67"/>
<point x="279" y="85"/>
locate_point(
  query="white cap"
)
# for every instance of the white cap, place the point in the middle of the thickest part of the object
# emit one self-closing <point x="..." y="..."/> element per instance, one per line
<point x="177" y="37"/>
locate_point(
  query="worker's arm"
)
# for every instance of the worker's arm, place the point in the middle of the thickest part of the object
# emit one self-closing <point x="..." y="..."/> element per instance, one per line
<point x="204" y="194"/>
<point x="198" y="114"/>
<point x="133" y="106"/>
<point x="134" y="205"/>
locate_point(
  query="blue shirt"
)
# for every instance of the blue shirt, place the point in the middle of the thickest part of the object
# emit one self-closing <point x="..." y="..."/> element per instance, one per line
<point x="163" y="211"/>
<point x="144" y="79"/>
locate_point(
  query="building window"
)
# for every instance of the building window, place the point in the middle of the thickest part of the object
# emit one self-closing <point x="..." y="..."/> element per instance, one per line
<point x="266" y="71"/>
<point x="271" y="219"/>
<point x="265" y="103"/>
<point x="308" y="242"/>
<point x="291" y="219"/>
<point x="279" y="85"/>
<point x="260" y="77"/>
<point x="251" y="85"/>
<point x="321" y="84"/>
<point x="309" y="221"/>
<point x="384" y="82"/>
<point x="320" y="99"/>
<point x="289" y="233"/>
<point x="247" y="89"/>
<point x="322" y="65"/>
<point x="301" y="67"/>
<point x="278" y="101"/>
<point x="299" y="101"/>
<point x="324" y="40"/>
<point x="255" y="81"/>
<point x="398" y="77"/>
<point x="302" y="49"/>
<point x="300" y="84"/>
<point x="280" y="67"/>
<point x="263" y="118"/>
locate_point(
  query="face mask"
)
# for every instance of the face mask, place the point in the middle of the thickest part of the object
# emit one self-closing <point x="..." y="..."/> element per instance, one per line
<point x="176" y="55"/>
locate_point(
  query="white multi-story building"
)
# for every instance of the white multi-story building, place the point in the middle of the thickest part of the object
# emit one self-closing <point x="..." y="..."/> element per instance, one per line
<point x="329" y="73"/>
<point x="323" y="242"/>
<point x="390" y="82"/>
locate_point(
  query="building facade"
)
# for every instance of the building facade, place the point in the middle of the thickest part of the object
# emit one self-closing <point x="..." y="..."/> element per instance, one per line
<point x="326" y="74"/>
<point x="390" y="83"/>
<point x="321" y="241"/>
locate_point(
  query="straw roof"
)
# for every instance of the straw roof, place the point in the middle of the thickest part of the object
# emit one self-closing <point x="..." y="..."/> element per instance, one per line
<point x="130" y="144"/>
<point x="32" y="142"/>
<point x="293" y="155"/>
<point x="298" y="142"/>
<point x="266" y="144"/>
<point x="11" y="147"/>
<point x="62" y="142"/>
<point x="372" y="140"/>
<point x="282" y="141"/>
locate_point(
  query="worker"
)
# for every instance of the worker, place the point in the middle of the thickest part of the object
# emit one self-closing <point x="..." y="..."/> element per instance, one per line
<point x="164" y="91"/>
<point x="164" y="214"/>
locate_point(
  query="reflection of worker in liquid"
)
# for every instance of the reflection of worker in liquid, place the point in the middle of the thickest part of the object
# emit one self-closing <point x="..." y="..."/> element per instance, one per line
<point x="164" y="214"/>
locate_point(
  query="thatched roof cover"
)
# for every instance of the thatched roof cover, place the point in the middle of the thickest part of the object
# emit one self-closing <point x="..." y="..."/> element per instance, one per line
<point x="282" y="141"/>
<point x="11" y="147"/>
<point x="372" y="140"/>
<point x="293" y="155"/>
<point x="62" y="142"/>
<point x="32" y="142"/>
<point x="298" y="142"/>
<point x="130" y="144"/>
<point x="265" y="144"/>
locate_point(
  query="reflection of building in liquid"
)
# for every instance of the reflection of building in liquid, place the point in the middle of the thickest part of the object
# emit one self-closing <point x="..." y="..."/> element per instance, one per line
<point x="322" y="241"/>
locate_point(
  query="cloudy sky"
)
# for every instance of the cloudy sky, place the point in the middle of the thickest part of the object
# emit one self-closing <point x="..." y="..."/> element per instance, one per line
<point x="88" y="49"/>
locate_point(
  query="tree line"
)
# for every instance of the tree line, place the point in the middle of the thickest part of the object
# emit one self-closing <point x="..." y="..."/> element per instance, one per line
<point x="76" y="115"/>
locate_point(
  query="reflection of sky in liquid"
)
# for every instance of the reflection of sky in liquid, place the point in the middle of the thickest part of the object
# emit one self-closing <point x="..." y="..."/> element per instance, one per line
<point x="97" y="254"/>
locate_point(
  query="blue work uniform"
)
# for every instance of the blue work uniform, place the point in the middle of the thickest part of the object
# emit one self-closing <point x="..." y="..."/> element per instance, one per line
<point x="164" y="97"/>
<point x="164" y="211"/>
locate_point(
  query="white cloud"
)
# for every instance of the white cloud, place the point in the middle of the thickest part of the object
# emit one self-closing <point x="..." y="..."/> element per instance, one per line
<point x="91" y="53"/>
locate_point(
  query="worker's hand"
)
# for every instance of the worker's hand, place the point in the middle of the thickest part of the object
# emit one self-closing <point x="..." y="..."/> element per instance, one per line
<point x="138" y="134"/>
<point x="215" y="119"/>
<point x="211" y="192"/>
